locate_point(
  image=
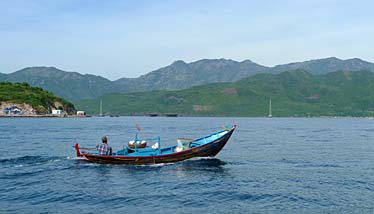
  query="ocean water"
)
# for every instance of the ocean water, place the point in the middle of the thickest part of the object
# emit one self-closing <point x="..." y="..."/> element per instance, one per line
<point x="270" y="165"/>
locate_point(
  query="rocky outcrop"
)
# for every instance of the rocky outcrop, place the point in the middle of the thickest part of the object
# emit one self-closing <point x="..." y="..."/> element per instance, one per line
<point x="25" y="109"/>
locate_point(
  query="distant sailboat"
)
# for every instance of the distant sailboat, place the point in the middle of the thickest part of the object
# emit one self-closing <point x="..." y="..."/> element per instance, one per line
<point x="101" y="108"/>
<point x="270" y="115"/>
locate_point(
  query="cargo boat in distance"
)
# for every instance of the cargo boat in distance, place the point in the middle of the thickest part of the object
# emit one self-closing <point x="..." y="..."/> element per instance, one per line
<point x="207" y="146"/>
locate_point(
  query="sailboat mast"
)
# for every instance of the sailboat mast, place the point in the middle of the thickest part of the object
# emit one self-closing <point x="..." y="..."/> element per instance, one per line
<point x="101" y="107"/>
<point x="270" y="114"/>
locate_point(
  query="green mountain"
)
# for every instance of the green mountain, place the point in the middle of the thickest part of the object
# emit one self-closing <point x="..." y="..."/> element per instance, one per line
<point x="324" y="66"/>
<point x="179" y="75"/>
<point x="69" y="85"/>
<point x="75" y="86"/>
<point x="40" y="100"/>
<point x="297" y="93"/>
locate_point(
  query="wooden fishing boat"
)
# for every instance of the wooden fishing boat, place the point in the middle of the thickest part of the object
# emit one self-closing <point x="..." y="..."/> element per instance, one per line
<point x="207" y="146"/>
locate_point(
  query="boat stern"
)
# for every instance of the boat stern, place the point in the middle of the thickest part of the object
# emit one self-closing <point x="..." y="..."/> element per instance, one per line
<point x="77" y="151"/>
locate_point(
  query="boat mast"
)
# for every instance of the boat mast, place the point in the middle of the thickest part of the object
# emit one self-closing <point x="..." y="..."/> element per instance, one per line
<point x="270" y="115"/>
<point x="101" y="107"/>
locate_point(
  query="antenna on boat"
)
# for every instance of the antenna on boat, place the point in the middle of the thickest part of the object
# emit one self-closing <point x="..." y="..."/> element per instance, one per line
<point x="137" y="127"/>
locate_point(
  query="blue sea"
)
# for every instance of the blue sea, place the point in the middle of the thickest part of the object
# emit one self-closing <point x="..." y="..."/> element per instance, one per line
<point x="270" y="165"/>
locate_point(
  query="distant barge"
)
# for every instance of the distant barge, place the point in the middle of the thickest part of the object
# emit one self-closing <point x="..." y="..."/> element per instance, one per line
<point x="171" y="115"/>
<point x="166" y="114"/>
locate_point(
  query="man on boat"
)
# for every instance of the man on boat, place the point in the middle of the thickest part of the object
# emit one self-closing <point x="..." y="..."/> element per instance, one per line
<point x="104" y="148"/>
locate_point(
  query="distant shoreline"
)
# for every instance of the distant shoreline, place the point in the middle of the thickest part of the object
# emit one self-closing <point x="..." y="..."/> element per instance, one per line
<point x="95" y="116"/>
<point x="34" y="116"/>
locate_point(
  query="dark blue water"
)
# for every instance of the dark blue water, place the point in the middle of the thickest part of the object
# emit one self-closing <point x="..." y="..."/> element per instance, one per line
<point x="278" y="165"/>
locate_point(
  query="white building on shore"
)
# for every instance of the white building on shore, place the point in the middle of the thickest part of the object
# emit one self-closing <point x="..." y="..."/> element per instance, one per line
<point x="81" y="113"/>
<point x="57" y="112"/>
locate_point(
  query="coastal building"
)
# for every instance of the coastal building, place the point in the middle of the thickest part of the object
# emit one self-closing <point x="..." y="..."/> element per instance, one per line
<point x="81" y="113"/>
<point x="14" y="110"/>
<point x="6" y="110"/>
<point x="57" y="112"/>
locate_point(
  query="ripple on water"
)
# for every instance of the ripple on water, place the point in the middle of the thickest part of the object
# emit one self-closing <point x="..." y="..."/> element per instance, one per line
<point x="27" y="160"/>
<point x="282" y="165"/>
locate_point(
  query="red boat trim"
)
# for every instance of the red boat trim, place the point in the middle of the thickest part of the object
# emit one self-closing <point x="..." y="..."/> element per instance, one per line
<point x="76" y="147"/>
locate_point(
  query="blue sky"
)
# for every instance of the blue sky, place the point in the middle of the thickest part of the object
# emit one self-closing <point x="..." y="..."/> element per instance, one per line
<point x="128" y="38"/>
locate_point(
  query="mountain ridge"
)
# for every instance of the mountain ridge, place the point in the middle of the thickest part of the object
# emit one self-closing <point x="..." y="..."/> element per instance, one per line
<point x="68" y="85"/>
<point x="178" y="75"/>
